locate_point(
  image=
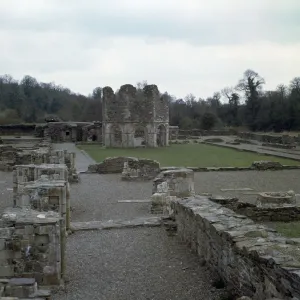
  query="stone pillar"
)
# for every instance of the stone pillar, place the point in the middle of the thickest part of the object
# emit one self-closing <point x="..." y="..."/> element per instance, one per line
<point x="180" y="182"/>
<point x="32" y="236"/>
<point x="46" y="195"/>
<point x="169" y="186"/>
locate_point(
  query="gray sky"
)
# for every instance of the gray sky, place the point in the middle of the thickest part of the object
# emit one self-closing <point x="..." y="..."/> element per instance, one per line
<point x="183" y="46"/>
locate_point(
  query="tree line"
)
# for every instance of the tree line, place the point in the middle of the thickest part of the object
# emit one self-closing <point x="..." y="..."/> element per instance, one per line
<point x="246" y="104"/>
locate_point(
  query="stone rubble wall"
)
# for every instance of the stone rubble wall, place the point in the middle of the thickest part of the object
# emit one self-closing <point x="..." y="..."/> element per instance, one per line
<point x="252" y="260"/>
<point x="110" y="165"/>
<point x="129" y="112"/>
<point x="32" y="245"/>
<point x="269" y="138"/>
<point x="17" y="129"/>
<point x="140" y="170"/>
<point x="260" y="214"/>
<point x="196" y="133"/>
<point x="170" y="185"/>
<point x="21" y="288"/>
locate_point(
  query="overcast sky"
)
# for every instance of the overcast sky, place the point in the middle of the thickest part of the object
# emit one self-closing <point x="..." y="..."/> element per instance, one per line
<point x="183" y="46"/>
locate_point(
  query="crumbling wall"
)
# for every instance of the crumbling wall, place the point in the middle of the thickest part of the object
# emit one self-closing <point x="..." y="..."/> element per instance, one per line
<point x="140" y="169"/>
<point x="251" y="259"/>
<point x="284" y="139"/>
<point x="110" y="165"/>
<point x="17" y="129"/>
<point x="32" y="245"/>
<point x="128" y="110"/>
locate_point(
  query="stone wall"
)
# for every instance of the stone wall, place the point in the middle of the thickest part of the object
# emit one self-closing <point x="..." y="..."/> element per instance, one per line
<point x="17" y="129"/>
<point x="134" y="118"/>
<point x="269" y="138"/>
<point x="32" y="245"/>
<point x="196" y="133"/>
<point x="260" y="214"/>
<point x="140" y="169"/>
<point x="252" y="260"/>
<point x="110" y="165"/>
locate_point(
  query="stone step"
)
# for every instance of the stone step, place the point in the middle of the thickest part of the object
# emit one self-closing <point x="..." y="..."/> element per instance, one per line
<point x="117" y="224"/>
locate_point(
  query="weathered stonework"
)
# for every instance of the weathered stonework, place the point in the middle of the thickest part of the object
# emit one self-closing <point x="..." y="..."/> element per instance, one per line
<point x="23" y="174"/>
<point x="140" y="170"/>
<point x="110" y="165"/>
<point x="180" y="182"/>
<point x="47" y="195"/>
<point x="135" y="119"/>
<point x="271" y="139"/>
<point x="267" y="165"/>
<point x="21" y="288"/>
<point x="260" y="214"/>
<point x="73" y="131"/>
<point x="276" y="199"/>
<point x="32" y="245"/>
<point x="252" y="260"/>
<point x="170" y="185"/>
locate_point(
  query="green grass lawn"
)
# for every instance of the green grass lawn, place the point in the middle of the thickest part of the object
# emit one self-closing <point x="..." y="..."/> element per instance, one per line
<point x="188" y="155"/>
<point x="291" y="230"/>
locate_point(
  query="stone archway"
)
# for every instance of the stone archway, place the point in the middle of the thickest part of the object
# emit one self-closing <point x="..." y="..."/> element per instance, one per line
<point x="140" y="136"/>
<point x="161" y="138"/>
<point x="115" y="136"/>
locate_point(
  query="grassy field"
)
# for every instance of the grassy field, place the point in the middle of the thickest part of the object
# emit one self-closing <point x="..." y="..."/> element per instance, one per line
<point x="291" y="230"/>
<point x="188" y="155"/>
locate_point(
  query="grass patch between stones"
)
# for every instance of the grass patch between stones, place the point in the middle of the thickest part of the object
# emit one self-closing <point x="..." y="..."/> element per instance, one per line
<point x="291" y="229"/>
<point x="188" y="155"/>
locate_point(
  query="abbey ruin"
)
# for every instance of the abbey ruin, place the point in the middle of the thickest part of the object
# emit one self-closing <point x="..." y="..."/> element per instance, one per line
<point x="118" y="228"/>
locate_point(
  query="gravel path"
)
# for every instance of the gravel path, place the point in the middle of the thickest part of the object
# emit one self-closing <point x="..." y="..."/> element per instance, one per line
<point x="134" y="264"/>
<point x="96" y="197"/>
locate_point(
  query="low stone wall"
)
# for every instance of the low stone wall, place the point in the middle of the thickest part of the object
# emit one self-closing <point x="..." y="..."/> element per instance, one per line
<point x="260" y="214"/>
<point x="140" y="170"/>
<point x="280" y="146"/>
<point x="199" y="132"/>
<point x="269" y="138"/>
<point x="33" y="245"/>
<point x="17" y="129"/>
<point x="252" y="260"/>
<point x="110" y="165"/>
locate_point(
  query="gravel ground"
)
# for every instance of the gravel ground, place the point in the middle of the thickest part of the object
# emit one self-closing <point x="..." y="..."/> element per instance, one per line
<point x="134" y="264"/>
<point x="259" y="181"/>
<point x="83" y="160"/>
<point x="96" y="197"/>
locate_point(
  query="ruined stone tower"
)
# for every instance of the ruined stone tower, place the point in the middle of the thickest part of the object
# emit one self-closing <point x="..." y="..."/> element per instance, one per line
<point x="135" y="118"/>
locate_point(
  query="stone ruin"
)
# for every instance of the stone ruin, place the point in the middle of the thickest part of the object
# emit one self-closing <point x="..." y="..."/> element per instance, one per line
<point x="71" y="131"/>
<point x="251" y="259"/>
<point x="33" y="231"/>
<point x="133" y="118"/>
<point x="140" y="169"/>
<point x="276" y="199"/>
<point x="170" y="185"/>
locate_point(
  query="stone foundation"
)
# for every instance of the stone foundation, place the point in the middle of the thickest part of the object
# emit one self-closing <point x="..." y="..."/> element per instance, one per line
<point x="140" y="170"/>
<point x="260" y="214"/>
<point x="110" y="165"/>
<point x="169" y="185"/>
<point x="276" y="199"/>
<point x="267" y="165"/>
<point x="32" y="245"/>
<point x="180" y="182"/>
<point x="252" y="260"/>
